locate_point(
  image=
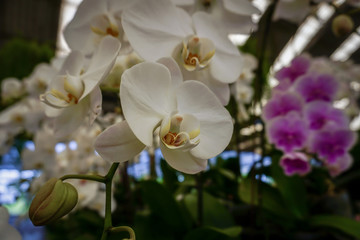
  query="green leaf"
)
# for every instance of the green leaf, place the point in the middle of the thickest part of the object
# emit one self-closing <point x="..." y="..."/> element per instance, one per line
<point x="231" y="231"/>
<point x="211" y="233"/>
<point x="271" y="198"/>
<point x="292" y="189"/>
<point x="344" y="224"/>
<point x="150" y="227"/>
<point x="163" y="204"/>
<point x="215" y="213"/>
<point x="169" y="176"/>
<point x="228" y="174"/>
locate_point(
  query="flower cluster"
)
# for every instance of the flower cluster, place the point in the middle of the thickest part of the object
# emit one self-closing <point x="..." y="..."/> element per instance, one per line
<point x="303" y="122"/>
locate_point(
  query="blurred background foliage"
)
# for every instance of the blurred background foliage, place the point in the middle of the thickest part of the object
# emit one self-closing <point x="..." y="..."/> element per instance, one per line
<point x="18" y="57"/>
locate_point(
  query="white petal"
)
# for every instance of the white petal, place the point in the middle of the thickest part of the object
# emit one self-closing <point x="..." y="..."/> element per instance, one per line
<point x="101" y="63"/>
<point x="243" y="7"/>
<point x="155" y="27"/>
<point x="71" y="118"/>
<point x="176" y="75"/>
<point x="220" y="89"/>
<point x="238" y="24"/>
<point x="118" y="143"/>
<point x="207" y="26"/>
<point x="215" y="122"/>
<point x="183" y="160"/>
<point x="78" y="31"/>
<point x="226" y="64"/>
<point x="73" y="65"/>
<point x="51" y="111"/>
<point x="116" y="6"/>
<point x="95" y="104"/>
<point x="183" y="2"/>
<point x="7" y="232"/>
<point x="146" y="97"/>
<point x="293" y="11"/>
<point x="226" y="68"/>
<point x="190" y="124"/>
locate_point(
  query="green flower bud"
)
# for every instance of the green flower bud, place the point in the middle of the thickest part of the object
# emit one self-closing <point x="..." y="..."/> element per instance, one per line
<point x="54" y="200"/>
<point x="342" y="25"/>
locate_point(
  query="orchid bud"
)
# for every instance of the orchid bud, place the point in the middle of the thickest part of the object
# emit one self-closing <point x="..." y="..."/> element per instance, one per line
<point x="54" y="200"/>
<point x="342" y="25"/>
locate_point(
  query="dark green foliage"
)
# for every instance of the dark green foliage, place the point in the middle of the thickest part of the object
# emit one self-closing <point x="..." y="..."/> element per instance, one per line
<point x="18" y="57"/>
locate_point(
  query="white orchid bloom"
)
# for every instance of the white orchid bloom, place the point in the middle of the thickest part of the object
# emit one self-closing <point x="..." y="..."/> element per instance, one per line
<point x="75" y="94"/>
<point x="7" y="232"/>
<point x="234" y="14"/>
<point x="292" y="10"/>
<point x="87" y="190"/>
<point x="193" y="124"/>
<point x="39" y="79"/>
<point x="11" y="88"/>
<point x="93" y="21"/>
<point x="157" y="28"/>
<point x="6" y="141"/>
<point x="43" y="157"/>
<point x="26" y="114"/>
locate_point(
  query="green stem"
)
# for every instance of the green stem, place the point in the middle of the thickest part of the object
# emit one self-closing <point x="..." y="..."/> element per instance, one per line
<point x="123" y="229"/>
<point x="95" y="178"/>
<point x="108" y="189"/>
<point x="200" y="206"/>
<point x="107" y="179"/>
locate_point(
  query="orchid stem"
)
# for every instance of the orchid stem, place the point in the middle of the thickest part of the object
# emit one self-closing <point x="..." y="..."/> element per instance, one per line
<point x="200" y="205"/>
<point x="95" y="178"/>
<point x="123" y="229"/>
<point x="108" y="190"/>
<point x="107" y="180"/>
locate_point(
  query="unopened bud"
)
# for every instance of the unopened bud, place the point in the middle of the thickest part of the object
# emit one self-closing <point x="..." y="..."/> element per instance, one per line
<point x="54" y="200"/>
<point x="342" y="25"/>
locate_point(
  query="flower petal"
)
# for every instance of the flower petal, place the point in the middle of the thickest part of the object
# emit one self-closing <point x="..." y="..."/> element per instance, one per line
<point x="220" y="89"/>
<point x="101" y="64"/>
<point x="146" y="96"/>
<point x="183" y="161"/>
<point x="215" y="122"/>
<point x="73" y="65"/>
<point x="176" y="75"/>
<point x="208" y="27"/>
<point x="242" y="7"/>
<point x="78" y="31"/>
<point x="226" y="68"/>
<point x="71" y="118"/>
<point x="160" y="23"/>
<point x="95" y="104"/>
<point x="116" y="6"/>
<point x="118" y="143"/>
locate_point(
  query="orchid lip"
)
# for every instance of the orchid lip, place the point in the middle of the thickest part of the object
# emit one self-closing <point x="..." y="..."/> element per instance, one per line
<point x="196" y="52"/>
<point x="105" y="25"/>
<point x="73" y="89"/>
<point x="180" y="132"/>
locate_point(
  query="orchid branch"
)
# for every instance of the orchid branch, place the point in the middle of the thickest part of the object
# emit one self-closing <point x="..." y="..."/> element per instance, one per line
<point x="122" y="229"/>
<point x="107" y="180"/>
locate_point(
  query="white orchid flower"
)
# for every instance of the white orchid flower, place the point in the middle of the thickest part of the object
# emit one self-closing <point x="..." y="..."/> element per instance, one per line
<point x="157" y="28"/>
<point x="193" y="124"/>
<point x="292" y="10"/>
<point x="74" y="93"/>
<point x="39" y="79"/>
<point x="7" y="232"/>
<point x="11" y="88"/>
<point x="43" y="157"/>
<point x="234" y="14"/>
<point x="93" y="21"/>
<point x="26" y="114"/>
